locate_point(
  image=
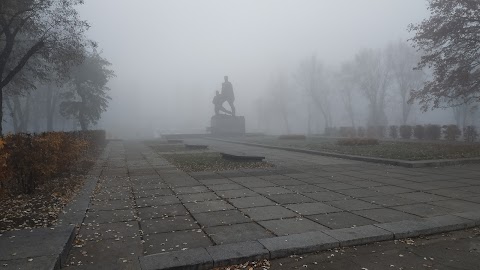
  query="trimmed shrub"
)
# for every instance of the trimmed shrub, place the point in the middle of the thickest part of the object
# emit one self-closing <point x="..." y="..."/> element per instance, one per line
<point x="331" y="131"/>
<point x="419" y="132"/>
<point x="371" y="132"/>
<point x="361" y="132"/>
<point x="470" y="134"/>
<point x="393" y="132"/>
<point x="357" y="141"/>
<point x="405" y="131"/>
<point x="451" y="132"/>
<point x="380" y="131"/>
<point x="347" y="132"/>
<point x="292" y="137"/>
<point x="433" y="132"/>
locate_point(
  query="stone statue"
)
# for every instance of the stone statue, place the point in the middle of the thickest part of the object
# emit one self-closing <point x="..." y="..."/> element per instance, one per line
<point x="218" y="101"/>
<point x="227" y="94"/>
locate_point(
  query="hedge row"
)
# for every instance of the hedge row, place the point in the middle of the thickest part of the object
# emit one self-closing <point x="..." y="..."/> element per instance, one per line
<point x="420" y="132"/>
<point x="27" y="160"/>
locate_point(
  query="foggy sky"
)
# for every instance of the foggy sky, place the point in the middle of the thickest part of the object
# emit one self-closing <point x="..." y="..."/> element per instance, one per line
<point x="171" y="56"/>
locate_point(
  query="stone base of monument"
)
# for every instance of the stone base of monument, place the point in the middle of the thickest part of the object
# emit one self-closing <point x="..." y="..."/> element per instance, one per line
<point x="223" y="124"/>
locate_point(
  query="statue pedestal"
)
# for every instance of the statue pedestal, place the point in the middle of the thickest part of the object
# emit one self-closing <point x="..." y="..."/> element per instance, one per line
<point x="227" y="124"/>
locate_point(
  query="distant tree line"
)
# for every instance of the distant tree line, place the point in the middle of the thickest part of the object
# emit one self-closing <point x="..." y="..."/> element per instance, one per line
<point x="440" y="68"/>
<point x="49" y="71"/>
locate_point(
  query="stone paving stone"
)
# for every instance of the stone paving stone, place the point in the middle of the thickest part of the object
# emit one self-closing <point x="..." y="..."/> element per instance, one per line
<point x="246" y="179"/>
<point x="186" y="183"/>
<point x="218" y="218"/>
<point x="157" y="201"/>
<point x="208" y="206"/>
<point x="387" y="189"/>
<point x="421" y="196"/>
<point x="237" y="233"/>
<point x="268" y="212"/>
<point x="109" y="216"/>
<point x="153" y="193"/>
<point x="236" y="193"/>
<point x="305" y="188"/>
<point x="232" y="173"/>
<point x="271" y="190"/>
<point x="359" y="192"/>
<point x="197" y="258"/>
<point x="237" y="253"/>
<point x="216" y="181"/>
<point x="257" y="184"/>
<point x="326" y="196"/>
<point x="174" y="241"/>
<point x="190" y="190"/>
<point x="364" y="183"/>
<point x="287" y="182"/>
<point x="458" y="205"/>
<point x="205" y="175"/>
<point x="139" y="187"/>
<point x="388" y="200"/>
<point x="336" y="186"/>
<point x="37" y="263"/>
<point x="103" y="254"/>
<point x="317" y="181"/>
<point x="298" y="244"/>
<point x="162" y="211"/>
<point x="360" y="235"/>
<point x="249" y="202"/>
<point x="222" y="187"/>
<point x="312" y="208"/>
<point x="385" y="215"/>
<point x="341" y="220"/>
<point x="353" y="204"/>
<point x="111" y="205"/>
<point x="198" y="197"/>
<point x="117" y="230"/>
<point x="423" y="210"/>
<point x="300" y="175"/>
<point x="451" y="183"/>
<point x="169" y="224"/>
<point x="290" y="198"/>
<point x="453" y="193"/>
<point x="291" y="226"/>
<point x="474" y="199"/>
<point x="274" y="177"/>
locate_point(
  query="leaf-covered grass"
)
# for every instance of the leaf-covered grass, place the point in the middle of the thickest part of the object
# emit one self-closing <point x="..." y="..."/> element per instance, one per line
<point x="412" y="151"/>
<point x="210" y="161"/>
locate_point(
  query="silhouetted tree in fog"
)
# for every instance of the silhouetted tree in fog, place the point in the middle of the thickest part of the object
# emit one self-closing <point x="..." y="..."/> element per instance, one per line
<point x="450" y="40"/>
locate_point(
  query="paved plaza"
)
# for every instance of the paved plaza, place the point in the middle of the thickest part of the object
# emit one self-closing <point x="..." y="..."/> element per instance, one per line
<point x="143" y="205"/>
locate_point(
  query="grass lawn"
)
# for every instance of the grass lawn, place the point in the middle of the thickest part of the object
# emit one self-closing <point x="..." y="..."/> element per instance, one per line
<point x="402" y="150"/>
<point x="210" y="161"/>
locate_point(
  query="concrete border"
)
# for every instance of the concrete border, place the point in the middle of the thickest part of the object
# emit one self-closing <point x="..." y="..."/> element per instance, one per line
<point x="282" y="246"/>
<point x="396" y="162"/>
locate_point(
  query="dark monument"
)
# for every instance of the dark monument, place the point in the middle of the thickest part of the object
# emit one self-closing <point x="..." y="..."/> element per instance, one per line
<point x="227" y="123"/>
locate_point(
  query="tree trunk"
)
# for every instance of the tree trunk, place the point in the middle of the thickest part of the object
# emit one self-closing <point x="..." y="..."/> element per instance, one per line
<point x="1" y="111"/>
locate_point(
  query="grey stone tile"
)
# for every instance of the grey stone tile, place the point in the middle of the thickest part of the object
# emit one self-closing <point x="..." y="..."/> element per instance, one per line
<point x="111" y="205"/>
<point x="385" y="215"/>
<point x="312" y="208"/>
<point x="237" y="233"/>
<point x="290" y="198"/>
<point x="352" y="204"/>
<point x="208" y="206"/>
<point x="336" y="186"/>
<point x="391" y="189"/>
<point x="117" y="230"/>
<point x="388" y="200"/>
<point x="216" y="181"/>
<point x="109" y="216"/>
<point x="175" y="241"/>
<point x="458" y="205"/>
<point x="288" y="182"/>
<point x="190" y="190"/>
<point x="341" y="220"/>
<point x="157" y="201"/>
<point x="360" y="235"/>
<point x="218" y="218"/>
<point x="257" y="184"/>
<point x="423" y="210"/>
<point x="222" y="187"/>
<point x="249" y="202"/>
<point x="305" y="188"/>
<point x="327" y="196"/>
<point x="197" y="258"/>
<point x="359" y="192"/>
<point x="162" y="211"/>
<point x="453" y="193"/>
<point x="268" y="212"/>
<point x="271" y="190"/>
<point x="421" y="196"/>
<point x="237" y="193"/>
<point x="198" y="197"/>
<point x="291" y="226"/>
<point x="169" y="224"/>
<point x="153" y="193"/>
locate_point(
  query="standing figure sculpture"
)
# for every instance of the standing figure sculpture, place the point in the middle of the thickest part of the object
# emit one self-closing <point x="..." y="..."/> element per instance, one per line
<point x="227" y="94"/>
<point x="218" y="101"/>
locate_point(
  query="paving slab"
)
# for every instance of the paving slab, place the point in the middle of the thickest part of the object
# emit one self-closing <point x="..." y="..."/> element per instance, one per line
<point x="291" y="226"/>
<point x="162" y="211"/>
<point x="352" y="204"/>
<point x="219" y="218"/>
<point x="197" y="258"/>
<point x="237" y="233"/>
<point x="359" y="235"/>
<point x="340" y="220"/>
<point x="198" y="197"/>
<point x="290" y="198"/>
<point x="312" y="208"/>
<point x="385" y="215"/>
<point x="169" y="224"/>
<point x="175" y="241"/>
<point x="236" y="193"/>
<point x="268" y="213"/>
<point x="208" y="206"/>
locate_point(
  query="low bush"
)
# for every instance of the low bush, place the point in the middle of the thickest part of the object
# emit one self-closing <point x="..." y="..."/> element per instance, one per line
<point x="27" y="160"/>
<point x="357" y="141"/>
<point x="393" y="132"/>
<point x="433" y="132"/>
<point x="451" y="132"/>
<point x="371" y="132"/>
<point x="419" y="132"/>
<point x="347" y="132"/>
<point x="405" y="131"/>
<point x="331" y="131"/>
<point x="470" y="134"/>
<point x="292" y="137"/>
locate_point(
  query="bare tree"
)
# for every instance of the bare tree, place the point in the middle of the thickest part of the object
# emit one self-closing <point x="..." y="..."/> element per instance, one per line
<point x="279" y="100"/>
<point x="312" y="78"/>
<point x="402" y="60"/>
<point x="347" y="88"/>
<point x="371" y="75"/>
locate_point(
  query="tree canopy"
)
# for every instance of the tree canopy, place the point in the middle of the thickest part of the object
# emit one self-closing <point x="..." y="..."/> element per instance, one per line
<point x="450" y="41"/>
